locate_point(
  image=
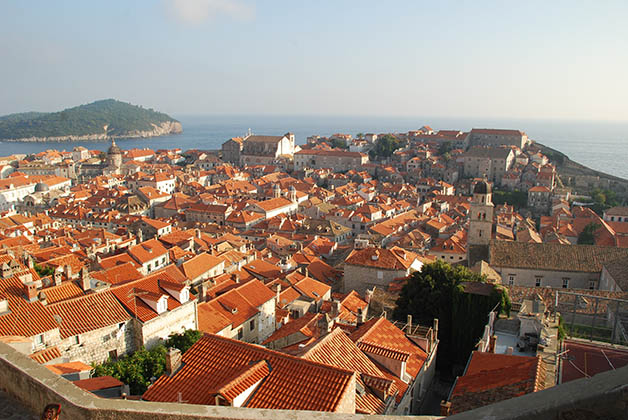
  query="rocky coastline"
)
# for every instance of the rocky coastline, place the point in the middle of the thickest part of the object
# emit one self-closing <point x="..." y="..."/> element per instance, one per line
<point x="163" y="129"/>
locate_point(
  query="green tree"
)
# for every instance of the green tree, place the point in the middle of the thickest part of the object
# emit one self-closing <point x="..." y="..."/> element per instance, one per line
<point x="587" y="236"/>
<point x="385" y="146"/>
<point x="136" y="370"/>
<point x="184" y="340"/>
<point x="339" y="143"/>
<point x="43" y="271"/>
<point x="360" y="135"/>
<point x="437" y="292"/>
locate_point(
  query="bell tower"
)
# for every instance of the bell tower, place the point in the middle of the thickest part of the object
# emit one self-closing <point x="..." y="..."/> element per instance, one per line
<point x="481" y="215"/>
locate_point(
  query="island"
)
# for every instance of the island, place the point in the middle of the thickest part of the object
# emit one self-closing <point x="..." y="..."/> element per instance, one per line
<point x="100" y="120"/>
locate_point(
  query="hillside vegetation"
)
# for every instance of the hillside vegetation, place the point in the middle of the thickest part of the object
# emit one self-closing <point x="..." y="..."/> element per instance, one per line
<point x="120" y="117"/>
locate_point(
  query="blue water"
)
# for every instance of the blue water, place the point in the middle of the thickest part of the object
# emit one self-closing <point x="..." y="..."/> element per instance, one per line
<point x="599" y="145"/>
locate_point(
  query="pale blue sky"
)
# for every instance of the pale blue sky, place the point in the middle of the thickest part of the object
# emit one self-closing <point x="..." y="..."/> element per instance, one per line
<point x="524" y="59"/>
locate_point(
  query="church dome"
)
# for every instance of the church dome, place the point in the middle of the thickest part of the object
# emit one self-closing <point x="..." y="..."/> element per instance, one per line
<point x="41" y="187"/>
<point x="482" y="187"/>
<point x="114" y="149"/>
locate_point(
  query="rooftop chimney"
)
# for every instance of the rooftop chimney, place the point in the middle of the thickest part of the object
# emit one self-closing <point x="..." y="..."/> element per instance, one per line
<point x="235" y="278"/>
<point x="173" y="360"/>
<point x="85" y="279"/>
<point x="4" y="306"/>
<point x="30" y="291"/>
<point x="278" y="291"/>
<point x="409" y="325"/>
<point x="57" y="276"/>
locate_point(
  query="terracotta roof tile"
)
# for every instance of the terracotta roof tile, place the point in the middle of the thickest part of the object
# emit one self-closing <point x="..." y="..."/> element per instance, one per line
<point x="88" y="313"/>
<point x="292" y="383"/>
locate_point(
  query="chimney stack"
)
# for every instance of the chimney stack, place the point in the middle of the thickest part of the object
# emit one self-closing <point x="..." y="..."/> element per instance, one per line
<point x="85" y="279"/>
<point x="68" y="271"/>
<point x="409" y="325"/>
<point x="278" y="291"/>
<point x="173" y="361"/>
<point x="30" y="291"/>
<point x="57" y="277"/>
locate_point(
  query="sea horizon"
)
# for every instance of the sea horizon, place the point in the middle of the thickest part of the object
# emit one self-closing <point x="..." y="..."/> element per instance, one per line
<point x="595" y="144"/>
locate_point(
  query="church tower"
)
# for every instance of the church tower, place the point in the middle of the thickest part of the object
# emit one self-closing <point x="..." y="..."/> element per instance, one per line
<point x="276" y="191"/>
<point x="480" y="215"/>
<point x="114" y="156"/>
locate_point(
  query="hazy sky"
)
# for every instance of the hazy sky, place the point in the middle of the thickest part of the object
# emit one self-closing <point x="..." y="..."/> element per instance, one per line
<point x="511" y="59"/>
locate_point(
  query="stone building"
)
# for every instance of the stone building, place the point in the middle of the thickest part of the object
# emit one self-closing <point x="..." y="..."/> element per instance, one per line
<point x="336" y="160"/>
<point x="551" y="264"/>
<point x="231" y="150"/>
<point x="490" y="162"/>
<point x="264" y="150"/>
<point x="497" y="137"/>
<point x="377" y="267"/>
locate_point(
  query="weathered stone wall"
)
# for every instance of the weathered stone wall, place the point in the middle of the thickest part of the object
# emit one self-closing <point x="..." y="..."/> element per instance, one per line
<point x="94" y="346"/>
<point x="360" y="278"/>
<point x="527" y="277"/>
<point x="175" y="321"/>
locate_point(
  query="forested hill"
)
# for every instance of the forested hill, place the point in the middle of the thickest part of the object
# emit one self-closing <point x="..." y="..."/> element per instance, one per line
<point x="88" y="121"/>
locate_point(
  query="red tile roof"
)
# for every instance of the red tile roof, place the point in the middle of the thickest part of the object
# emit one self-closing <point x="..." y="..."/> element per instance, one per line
<point x="292" y="383"/>
<point x="588" y="359"/>
<point x="46" y="355"/>
<point x="88" y="313"/>
<point x="130" y="295"/>
<point x="379" y="334"/>
<point x="24" y="318"/>
<point x="66" y="290"/>
<point x="491" y="377"/>
<point x="100" y="382"/>
<point x="200" y="265"/>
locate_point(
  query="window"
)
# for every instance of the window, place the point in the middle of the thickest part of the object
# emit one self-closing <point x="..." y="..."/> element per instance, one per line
<point x="592" y="284"/>
<point x="39" y="339"/>
<point x="565" y="282"/>
<point x="76" y="340"/>
<point x="380" y="275"/>
<point x="252" y="325"/>
<point x="480" y="233"/>
<point x="537" y="281"/>
<point x="113" y="355"/>
<point x="511" y="280"/>
<point x="240" y="334"/>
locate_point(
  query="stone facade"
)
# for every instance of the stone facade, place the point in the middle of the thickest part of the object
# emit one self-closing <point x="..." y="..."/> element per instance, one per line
<point x="98" y="345"/>
<point x="183" y="318"/>
<point x="360" y="278"/>
<point x="546" y="278"/>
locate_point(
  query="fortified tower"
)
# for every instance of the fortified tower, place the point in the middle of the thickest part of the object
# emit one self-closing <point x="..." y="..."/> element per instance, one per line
<point x="114" y="156"/>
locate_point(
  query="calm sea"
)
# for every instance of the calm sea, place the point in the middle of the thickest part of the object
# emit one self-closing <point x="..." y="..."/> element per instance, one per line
<point x="599" y="145"/>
